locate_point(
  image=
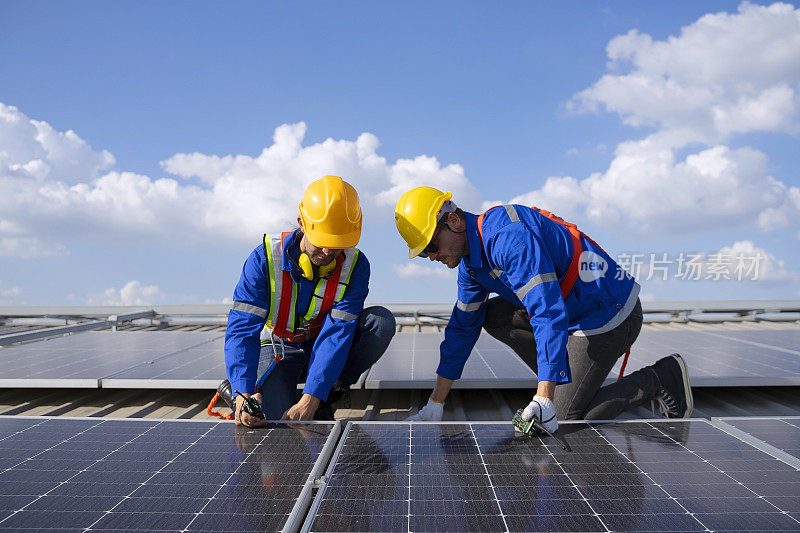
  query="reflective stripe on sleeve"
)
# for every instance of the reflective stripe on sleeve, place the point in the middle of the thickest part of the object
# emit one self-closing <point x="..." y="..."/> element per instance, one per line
<point x="536" y="280"/>
<point x="472" y="306"/>
<point x="248" y="308"/>
<point x="512" y="213"/>
<point x="343" y="315"/>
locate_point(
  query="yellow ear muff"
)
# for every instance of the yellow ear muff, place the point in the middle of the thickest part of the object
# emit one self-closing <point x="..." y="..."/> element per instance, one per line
<point x="327" y="269"/>
<point x="306" y="268"/>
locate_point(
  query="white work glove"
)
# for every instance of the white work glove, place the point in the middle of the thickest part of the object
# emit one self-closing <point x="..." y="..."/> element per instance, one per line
<point x="432" y="412"/>
<point x="544" y="410"/>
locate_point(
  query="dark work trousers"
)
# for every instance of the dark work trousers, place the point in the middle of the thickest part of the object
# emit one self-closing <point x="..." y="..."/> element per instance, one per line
<point x="374" y="330"/>
<point x="590" y="359"/>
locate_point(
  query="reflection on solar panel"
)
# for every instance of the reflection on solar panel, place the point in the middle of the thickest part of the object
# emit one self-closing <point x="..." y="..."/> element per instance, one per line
<point x="781" y="433"/>
<point x="200" y="367"/>
<point x="80" y="360"/>
<point x="715" y="360"/>
<point x="412" y="358"/>
<point x="148" y="475"/>
<point x="669" y="476"/>
<point x="786" y="339"/>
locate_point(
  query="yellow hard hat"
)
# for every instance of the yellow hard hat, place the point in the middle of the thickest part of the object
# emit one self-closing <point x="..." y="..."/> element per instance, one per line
<point x="331" y="213"/>
<point x="416" y="216"/>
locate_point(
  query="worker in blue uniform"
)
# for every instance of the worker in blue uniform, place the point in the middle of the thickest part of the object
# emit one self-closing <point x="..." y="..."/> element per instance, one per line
<point x="303" y="292"/>
<point x="563" y="305"/>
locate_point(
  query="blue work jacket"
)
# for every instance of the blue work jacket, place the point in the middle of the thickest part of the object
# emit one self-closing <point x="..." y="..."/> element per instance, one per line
<point x="251" y="299"/>
<point x="523" y="257"/>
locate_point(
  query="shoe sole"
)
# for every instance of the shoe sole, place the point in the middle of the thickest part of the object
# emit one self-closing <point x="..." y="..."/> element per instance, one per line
<point x="687" y="388"/>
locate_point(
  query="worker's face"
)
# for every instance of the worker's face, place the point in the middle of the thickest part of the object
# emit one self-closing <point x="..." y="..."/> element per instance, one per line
<point x="448" y="243"/>
<point x="321" y="256"/>
<point x="318" y="256"/>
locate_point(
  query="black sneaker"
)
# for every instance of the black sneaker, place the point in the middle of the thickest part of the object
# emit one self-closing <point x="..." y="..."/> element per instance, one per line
<point x="674" y="398"/>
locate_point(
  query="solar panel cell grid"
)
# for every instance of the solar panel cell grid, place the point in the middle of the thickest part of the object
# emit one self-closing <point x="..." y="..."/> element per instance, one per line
<point x="484" y="477"/>
<point x="145" y="475"/>
<point x="86" y="357"/>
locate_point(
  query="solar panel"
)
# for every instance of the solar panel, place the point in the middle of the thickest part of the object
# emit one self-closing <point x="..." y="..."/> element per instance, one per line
<point x="80" y="360"/>
<point x="780" y="434"/>
<point x="785" y="339"/>
<point x="643" y="476"/>
<point x="715" y="360"/>
<point x="199" y="367"/>
<point x="412" y="358"/>
<point x="169" y="475"/>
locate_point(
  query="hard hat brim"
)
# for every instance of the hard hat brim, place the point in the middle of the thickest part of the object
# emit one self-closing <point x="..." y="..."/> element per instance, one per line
<point x="335" y="242"/>
<point x="436" y="207"/>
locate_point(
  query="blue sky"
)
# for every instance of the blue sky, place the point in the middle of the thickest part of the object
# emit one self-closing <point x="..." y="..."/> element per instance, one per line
<point x="663" y="127"/>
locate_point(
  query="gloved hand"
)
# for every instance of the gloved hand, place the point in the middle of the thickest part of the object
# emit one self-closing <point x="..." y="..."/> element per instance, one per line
<point x="544" y="410"/>
<point x="432" y="412"/>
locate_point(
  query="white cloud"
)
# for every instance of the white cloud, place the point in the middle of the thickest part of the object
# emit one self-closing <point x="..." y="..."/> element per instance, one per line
<point x="767" y="268"/>
<point x="227" y="300"/>
<point x="724" y="74"/>
<point x="741" y="261"/>
<point x="647" y="188"/>
<point x="52" y="184"/>
<point x="28" y="248"/>
<point x="8" y="295"/>
<point x="418" y="271"/>
<point x="133" y="293"/>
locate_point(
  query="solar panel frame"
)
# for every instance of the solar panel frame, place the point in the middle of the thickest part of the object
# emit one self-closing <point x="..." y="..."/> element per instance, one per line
<point x="81" y="360"/>
<point x="491" y="364"/>
<point x="760" y="435"/>
<point x="685" y="496"/>
<point x="162" y="447"/>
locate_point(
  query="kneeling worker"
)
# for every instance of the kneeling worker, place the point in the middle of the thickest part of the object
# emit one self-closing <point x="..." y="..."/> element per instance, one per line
<point x="570" y="326"/>
<point x="307" y="287"/>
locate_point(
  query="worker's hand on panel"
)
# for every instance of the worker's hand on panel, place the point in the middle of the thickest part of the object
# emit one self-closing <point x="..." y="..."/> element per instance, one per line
<point x="432" y="412"/>
<point x="544" y="410"/>
<point x="302" y="410"/>
<point x="242" y="417"/>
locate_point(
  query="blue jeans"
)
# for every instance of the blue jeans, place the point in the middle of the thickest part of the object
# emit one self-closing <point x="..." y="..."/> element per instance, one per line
<point x="374" y="330"/>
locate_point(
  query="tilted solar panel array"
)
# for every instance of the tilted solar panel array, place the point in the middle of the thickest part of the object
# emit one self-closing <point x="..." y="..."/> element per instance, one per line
<point x="412" y="358"/>
<point x="82" y="359"/>
<point x="725" y="359"/>
<point x="102" y="474"/>
<point x="199" y="367"/>
<point x="660" y="476"/>
<point x="164" y="359"/>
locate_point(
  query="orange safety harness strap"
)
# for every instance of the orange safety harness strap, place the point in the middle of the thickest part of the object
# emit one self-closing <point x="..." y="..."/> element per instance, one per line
<point x="285" y="304"/>
<point x="577" y="248"/>
<point x="328" y="297"/>
<point x="624" y="363"/>
<point x="210" y="409"/>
